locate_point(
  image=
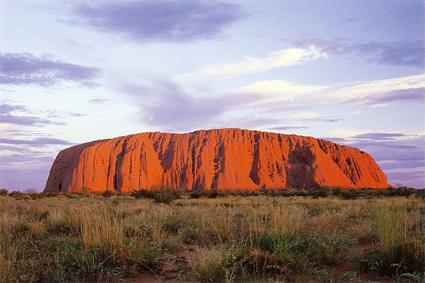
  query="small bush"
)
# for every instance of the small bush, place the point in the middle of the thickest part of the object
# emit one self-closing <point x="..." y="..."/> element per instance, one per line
<point x="347" y="194"/>
<point x="16" y="194"/>
<point x="213" y="193"/>
<point x="330" y="250"/>
<point x="285" y="254"/>
<point x="161" y="196"/>
<point x="420" y="193"/>
<point x="166" y="196"/>
<point x="107" y="194"/>
<point x="195" y="194"/>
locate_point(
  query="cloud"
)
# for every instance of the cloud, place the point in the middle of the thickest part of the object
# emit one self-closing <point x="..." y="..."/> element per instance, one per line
<point x="8" y="115"/>
<point x="165" y="104"/>
<point x="75" y="114"/>
<point x="312" y="117"/>
<point x="24" y="170"/>
<point x="279" y="93"/>
<point x="26" y="157"/>
<point x="7" y="108"/>
<point x="160" y="20"/>
<point x="399" y="95"/>
<point x="35" y="142"/>
<point x="378" y="136"/>
<point x="398" y="53"/>
<point x="24" y="68"/>
<point x="24" y="120"/>
<point x="281" y="87"/>
<point x="399" y="89"/>
<point x="98" y="100"/>
<point x="284" y="128"/>
<point x="251" y="65"/>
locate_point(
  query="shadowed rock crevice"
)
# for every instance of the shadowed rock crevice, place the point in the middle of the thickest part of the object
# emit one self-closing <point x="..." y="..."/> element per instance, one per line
<point x="118" y="178"/>
<point x="218" y="164"/>
<point x="253" y="174"/>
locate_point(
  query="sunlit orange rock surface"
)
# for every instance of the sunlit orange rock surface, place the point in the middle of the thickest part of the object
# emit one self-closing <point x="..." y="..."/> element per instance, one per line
<point x="226" y="159"/>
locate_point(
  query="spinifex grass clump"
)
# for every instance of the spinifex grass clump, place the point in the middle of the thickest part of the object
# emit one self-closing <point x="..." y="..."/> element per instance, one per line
<point x="226" y="238"/>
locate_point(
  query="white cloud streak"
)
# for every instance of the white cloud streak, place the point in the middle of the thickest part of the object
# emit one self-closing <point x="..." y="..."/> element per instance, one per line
<point x="252" y="65"/>
<point x="377" y="93"/>
<point x="367" y="91"/>
<point x="280" y="87"/>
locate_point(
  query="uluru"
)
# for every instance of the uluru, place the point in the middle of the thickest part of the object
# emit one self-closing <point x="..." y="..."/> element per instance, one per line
<point x="223" y="159"/>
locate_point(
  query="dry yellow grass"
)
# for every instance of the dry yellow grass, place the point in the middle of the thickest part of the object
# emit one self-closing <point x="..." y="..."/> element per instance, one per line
<point x="90" y="237"/>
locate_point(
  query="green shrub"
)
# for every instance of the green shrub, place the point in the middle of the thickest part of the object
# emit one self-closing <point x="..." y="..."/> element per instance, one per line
<point x="213" y="193"/>
<point x="16" y="194"/>
<point x="286" y="254"/>
<point x="329" y="249"/>
<point x="420" y="193"/>
<point x="196" y="194"/>
<point x="107" y="194"/>
<point x="348" y="194"/>
<point x="162" y="196"/>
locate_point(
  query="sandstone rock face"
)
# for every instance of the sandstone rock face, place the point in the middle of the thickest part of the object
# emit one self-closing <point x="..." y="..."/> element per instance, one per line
<point x="225" y="159"/>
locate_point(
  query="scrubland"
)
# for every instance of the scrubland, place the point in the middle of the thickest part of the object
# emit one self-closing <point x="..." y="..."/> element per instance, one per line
<point x="212" y="237"/>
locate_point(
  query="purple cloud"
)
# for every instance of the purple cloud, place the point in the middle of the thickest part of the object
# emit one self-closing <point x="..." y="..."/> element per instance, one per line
<point x="24" y="120"/>
<point x="401" y="53"/>
<point x="8" y="116"/>
<point x="24" y="170"/>
<point x="160" y="20"/>
<point x="27" y="164"/>
<point x="24" y="68"/>
<point x="25" y="161"/>
<point x="35" y="142"/>
<point x="378" y="136"/>
<point x="8" y="108"/>
<point x="19" y="149"/>
<point x="166" y="105"/>
<point x="322" y="119"/>
<point x="399" y="95"/>
<point x="284" y="128"/>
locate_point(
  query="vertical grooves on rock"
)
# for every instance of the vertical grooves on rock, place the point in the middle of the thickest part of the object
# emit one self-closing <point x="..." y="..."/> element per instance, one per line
<point x="223" y="159"/>
<point x="118" y="162"/>
<point x="253" y="174"/>
<point x="218" y="164"/>
<point x="141" y="167"/>
<point x="94" y="163"/>
<point x="108" y="175"/>
<point x="83" y="175"/>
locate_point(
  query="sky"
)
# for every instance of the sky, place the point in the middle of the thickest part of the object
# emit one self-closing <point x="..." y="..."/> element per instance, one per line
<point x="350" y="71"/>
